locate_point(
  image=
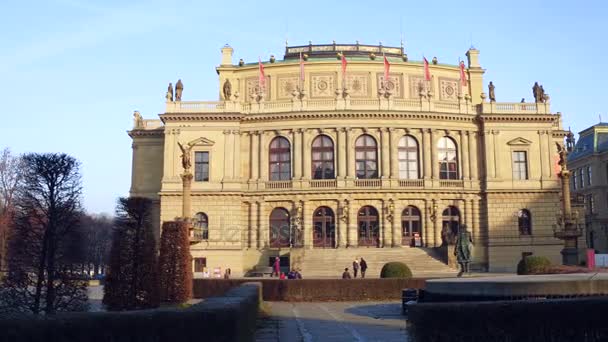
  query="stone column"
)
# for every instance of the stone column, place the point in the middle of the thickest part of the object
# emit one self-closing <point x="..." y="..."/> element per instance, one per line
<point x="250" y="224"/>
<point x="186" y="200"/>
<point x="350" y="154"/>
<point x="473" y="155"/>
<point x="394" y="154"/>
<point x="489" y="146"/>
<point x="386" y="157"/>
<point x="550" y="152"/>
<point x="263" y="225"/>
<point x="434" y="154"/>
<point x="352" y="226"/>
<point x="427" y="226"/>
<point x="341" y="151"/>
<point x="236" y="161"/>
<point x="395" y="227"/>
<point x="255" y="156"/>
<point x="497" y="155"/>
<point x="426" y="154"/>
<point x="264" y="148"/>
<point x="436" y="205"/>
<point x="468" y="215"/>
<point x="297" y="153"/>
<point x="307" y="225"/>
<point x="473" y="227"/>
<point x="228" y="155"/>
<point x="464" y="148"/>
<point x="306" y="151"/>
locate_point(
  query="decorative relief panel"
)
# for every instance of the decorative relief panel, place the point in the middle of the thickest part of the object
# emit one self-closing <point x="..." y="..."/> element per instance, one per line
<point x="395" y="83"/>
<point x="448" y="89"/>
<point x="358" y="85"/>
<point x="417" y="83"/>
<point x="252" y="87"/>
<point x="286" y="85"/>
<point x="322" y="85"/>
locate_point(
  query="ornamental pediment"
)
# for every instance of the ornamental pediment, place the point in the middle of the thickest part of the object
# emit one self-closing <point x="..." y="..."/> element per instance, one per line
<point x="202" y="141"/>
<point x="519" y="142"/>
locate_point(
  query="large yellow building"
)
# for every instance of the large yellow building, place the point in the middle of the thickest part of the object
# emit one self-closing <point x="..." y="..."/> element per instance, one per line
<point x="321" y="162"/>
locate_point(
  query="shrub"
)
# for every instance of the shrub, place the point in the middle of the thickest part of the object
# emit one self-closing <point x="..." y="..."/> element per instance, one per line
<point x="395" y="270"/>
<point x="174" y="263"/>
<point x="533" y="265"/>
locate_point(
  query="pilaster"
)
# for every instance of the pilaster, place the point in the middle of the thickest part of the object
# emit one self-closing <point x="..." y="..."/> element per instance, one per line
<point x="427" y="154"/>
<point x="385" y="155"/>
<point x="255" y="156"/>
<point x="341" y="149"/>
<point x="297" y="155"/>
<point x="497" y="154"/>
<point x="393" y="137"/>
<point x="464" y="148"/>
<point x="434" y="156"/>
<point x="306" y="152"/>
<point x="473" y="151"/>
<point x="265" y="138"/>
<point x="489" y="147"/>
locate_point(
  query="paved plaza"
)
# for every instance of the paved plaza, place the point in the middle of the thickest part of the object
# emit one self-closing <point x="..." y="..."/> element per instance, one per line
<point x="336" y="321"/>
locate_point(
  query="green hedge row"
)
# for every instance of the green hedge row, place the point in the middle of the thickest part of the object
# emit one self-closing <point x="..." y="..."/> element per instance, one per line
<point x="310" y="290"/>
<point x="556" y="320"/>
<point x="231" y="317"/>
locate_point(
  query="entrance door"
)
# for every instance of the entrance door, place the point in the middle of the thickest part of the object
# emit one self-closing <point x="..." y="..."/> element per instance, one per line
<point x="279" y="228"/>
<point x="450" y="225"/>
<point x="369" y="229"/>
<point x="410" y="226"/>
<point x="324" y="228"/>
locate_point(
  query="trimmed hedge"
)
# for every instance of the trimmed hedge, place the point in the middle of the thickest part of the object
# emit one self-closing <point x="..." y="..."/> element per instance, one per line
<point x="310" y="290"/>
<point x="395" y="269"/>
<point x="533" y="265"/>
<point x="228" y="318"/>
<point x="556" y="320"/>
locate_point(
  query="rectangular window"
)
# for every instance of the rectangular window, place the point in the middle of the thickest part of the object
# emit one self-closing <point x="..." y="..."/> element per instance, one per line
<point x="520" y="165"/>
<point x="590" y="204"/>
<point x="200" y="264"/>
<point x="588" y="174"/>
<point x="573" y="180"/>
<point x="581" y="182"/>
<point x="201" y="166"/>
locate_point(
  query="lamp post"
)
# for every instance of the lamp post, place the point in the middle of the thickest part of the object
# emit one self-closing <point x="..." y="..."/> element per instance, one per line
<point x="567" y="227"/>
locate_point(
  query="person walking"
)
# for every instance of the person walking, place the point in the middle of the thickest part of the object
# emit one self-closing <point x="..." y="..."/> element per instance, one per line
<point x="363" y="266"/>
<point x="355" y="267"/>
<point x="276" y="267"/>
<point x="346" y="274"/>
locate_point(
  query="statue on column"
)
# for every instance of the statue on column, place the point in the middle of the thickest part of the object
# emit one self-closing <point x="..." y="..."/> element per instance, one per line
<point x="138" y="121"/>
<point x="179" y="88"/>
<point x="227" y="90"/>
<point x="491" y="93"/>
<point x="563" y="156"/>
<point x="462" y="250"/>
<point x="536" y="91"/>
<point x="169" y="95"/>
<point x="186" y="164"/>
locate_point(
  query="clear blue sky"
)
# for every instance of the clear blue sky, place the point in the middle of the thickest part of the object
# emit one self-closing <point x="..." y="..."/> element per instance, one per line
<point x="73" y="71"/>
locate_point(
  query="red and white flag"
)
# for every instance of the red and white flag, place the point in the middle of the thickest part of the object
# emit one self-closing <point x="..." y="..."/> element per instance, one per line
<point x="427" y="72"/>
<point x="301" y="68"/>
<point x="344" y="62"/>
<point x="387" y="67"/>
<point x="463" y="75"/>
<point x="262" y="77"/>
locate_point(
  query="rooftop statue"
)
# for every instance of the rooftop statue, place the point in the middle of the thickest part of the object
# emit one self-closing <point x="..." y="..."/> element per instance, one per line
<point x="169" y="95"/>
<point x="179" y="88"/>
<point x="138" y="121"/>
<point x="227" y="90"/>
<point x="536" y="91"/>
<point x="491" y="93"/>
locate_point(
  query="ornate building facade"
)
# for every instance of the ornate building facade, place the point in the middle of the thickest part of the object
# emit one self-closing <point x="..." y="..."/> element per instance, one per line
<point x="316" y="158"/>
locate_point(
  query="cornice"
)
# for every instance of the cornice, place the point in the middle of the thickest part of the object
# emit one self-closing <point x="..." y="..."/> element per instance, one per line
<point x="517" y="117"/>
<point x="146" y="133"/>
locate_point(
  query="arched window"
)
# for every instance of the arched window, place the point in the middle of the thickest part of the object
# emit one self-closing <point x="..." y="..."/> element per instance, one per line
<point x="323" y="158"/>
<point x="410" y="225"/>
<point x="324" y="228"/>
<point x="280" y="228"/>
<point x="366" y="157"/>
<point x="408" y="158"/>
<point x="367" y="221"/>
<point x="448" y="159"/>
<point x="524" y="222"/>
<point x="450" y="225"/>
<point x="201" y="226"/>
<point x="280" y="159"/>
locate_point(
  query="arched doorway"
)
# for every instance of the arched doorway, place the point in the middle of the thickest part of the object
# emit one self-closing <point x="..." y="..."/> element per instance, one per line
<point x="324" y="228"/>
<point x="368" y="227"/>
<point x="279" y="228"/>
<point x="410" y="226"/>
<point x="450" y="225"/>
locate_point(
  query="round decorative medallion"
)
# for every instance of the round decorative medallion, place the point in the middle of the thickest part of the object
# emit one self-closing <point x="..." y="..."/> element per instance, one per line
<point x="449" y="90"/>
<point x="390" y="85"/>
<point x="322" y="85"/>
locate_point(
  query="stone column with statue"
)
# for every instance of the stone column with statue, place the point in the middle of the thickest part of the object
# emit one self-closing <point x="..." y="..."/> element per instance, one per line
<point x="187" y="180"/>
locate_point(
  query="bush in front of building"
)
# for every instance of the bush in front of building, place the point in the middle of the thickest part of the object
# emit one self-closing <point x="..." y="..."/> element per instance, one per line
<point x="175" y="269"/>
<point x="533" y="265"/>
<point x="395" y="270"/>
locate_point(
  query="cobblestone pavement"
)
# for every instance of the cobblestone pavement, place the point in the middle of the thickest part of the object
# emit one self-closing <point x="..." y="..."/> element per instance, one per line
<point x="336" y="321"/>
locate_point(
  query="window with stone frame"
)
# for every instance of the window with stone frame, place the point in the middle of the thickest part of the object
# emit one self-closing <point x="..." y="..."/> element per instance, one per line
<point x="323" y="158"/>
<point x="590" y="204"/>
<point x="520" y="165"/>
<point x="201" y="166"/>
<point x="448" y="158"/>
<point x="407" y="150"/>
<point x="279" y="163"/>
<point x="581" y="181"/>
<point x="589" y="181"/>
<point x="201" y="226"/>
<point x="200" y="264"/>
<point x="524" y="222"/>
<point x="573" y="180"/>
<point x="366" y="157"/>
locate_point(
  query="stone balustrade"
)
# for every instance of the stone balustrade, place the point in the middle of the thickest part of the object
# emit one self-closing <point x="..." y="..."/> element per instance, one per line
<point x="413" y="105"/>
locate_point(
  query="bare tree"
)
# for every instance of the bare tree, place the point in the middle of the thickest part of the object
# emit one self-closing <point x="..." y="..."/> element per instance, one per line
<point x="10" y="174"/>
<point x="97" y="242"/>
<point x="46" y="239"/>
